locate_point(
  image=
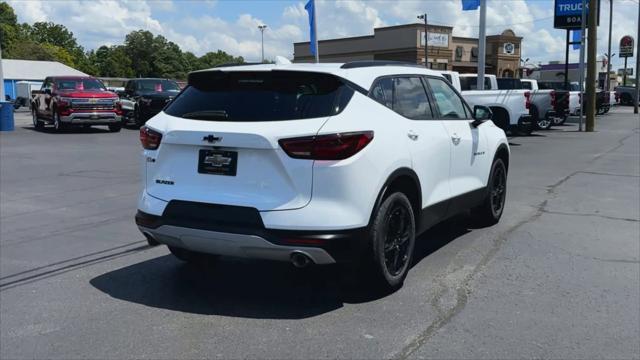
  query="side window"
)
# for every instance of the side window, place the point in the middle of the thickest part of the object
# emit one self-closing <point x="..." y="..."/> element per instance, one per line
<point x="449" y="103"/>
<point x="383" y="92"/>
<point x="410" y="98"/>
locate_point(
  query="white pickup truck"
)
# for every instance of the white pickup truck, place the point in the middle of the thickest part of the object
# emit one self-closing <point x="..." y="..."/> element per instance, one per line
<point x="510" y="107"/>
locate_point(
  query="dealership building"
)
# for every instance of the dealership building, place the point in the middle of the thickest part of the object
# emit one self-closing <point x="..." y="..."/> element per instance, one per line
<point x="406" y="43"/>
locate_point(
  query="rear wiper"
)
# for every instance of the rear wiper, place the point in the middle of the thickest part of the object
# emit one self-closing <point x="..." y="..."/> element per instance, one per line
<point x="207" y="115"/>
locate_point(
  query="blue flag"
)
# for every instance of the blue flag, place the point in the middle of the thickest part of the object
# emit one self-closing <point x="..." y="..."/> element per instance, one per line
<point x="576" y="38"/>
<point x="470" y="4"/>
<point x="311" y="9"/>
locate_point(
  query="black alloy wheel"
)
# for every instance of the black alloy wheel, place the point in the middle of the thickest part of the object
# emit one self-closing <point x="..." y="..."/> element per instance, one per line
<point x="392" y="235"/>
<point x="490" y="210"/>
<point x="498" y="190"/>
<point x="396" y="243"/>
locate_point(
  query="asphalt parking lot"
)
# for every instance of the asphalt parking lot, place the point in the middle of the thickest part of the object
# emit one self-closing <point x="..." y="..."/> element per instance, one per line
<point x="558" y="277"/>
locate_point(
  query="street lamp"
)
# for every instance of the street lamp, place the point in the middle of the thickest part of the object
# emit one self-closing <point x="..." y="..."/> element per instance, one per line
<point x="262" y="27"/>
<point x="426" y="40"/>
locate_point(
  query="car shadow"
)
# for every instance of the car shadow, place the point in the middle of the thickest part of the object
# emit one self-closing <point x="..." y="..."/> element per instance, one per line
<point x="74" y="130"/>
<point x="252" y="288"/>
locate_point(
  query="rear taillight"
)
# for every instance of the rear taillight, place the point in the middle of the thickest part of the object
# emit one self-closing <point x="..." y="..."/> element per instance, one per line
<point x="553" y="98"/>
<point x="326" y="147"/>
<point x="150" y="138"/>
<point x="527" y="96"/>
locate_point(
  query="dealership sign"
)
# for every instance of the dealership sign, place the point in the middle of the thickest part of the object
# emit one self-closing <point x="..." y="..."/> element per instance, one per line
<point x="568" y="14"/>
<point x="626" y="47"/>
<point x="435" y="39"/>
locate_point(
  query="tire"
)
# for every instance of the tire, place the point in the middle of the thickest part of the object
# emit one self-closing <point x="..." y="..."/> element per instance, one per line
<point x="37" y="123"/>
<point x="192" y="257"/>
<point x="559" y="121"/>
<point x="392" y="236"/>
<point x="115" y="127"/>
<point x="492" y="207"/>
<point x="544" y="124"/>
<point x="626" y="99"/>
<point x="58" y="125"/>
<point x="136" y="117"/>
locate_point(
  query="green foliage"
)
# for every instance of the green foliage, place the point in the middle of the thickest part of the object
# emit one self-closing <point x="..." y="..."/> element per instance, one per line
<point x="142" y="54"/>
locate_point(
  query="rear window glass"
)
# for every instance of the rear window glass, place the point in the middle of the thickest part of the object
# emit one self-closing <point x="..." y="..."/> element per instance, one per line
<point x="509" y="84"/>
<point x="260" y="96"/>
<point x="471" y="83"/>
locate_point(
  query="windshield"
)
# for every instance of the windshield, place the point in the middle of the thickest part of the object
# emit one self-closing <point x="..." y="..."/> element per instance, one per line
<point x="158" y="85"/>
<point x="260" y="96"/>
<point x="79" y="84"/>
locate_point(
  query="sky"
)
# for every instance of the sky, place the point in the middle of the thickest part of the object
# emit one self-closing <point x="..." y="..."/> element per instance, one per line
<point x="201" y="26"/>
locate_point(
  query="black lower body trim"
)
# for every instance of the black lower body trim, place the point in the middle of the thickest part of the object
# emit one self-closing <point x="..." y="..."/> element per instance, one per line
<point x="342" y="245"/>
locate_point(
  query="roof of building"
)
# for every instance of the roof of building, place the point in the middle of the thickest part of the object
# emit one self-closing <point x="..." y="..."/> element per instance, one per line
<point x="13" y="69"/>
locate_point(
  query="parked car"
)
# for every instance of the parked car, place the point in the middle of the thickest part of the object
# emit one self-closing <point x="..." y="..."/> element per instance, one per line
<point x="144" y="98"/>
<point x="387" y="151"/>
<point x="509" y="107"/>
<point x="626" y="95"/>
<point x="66" y="101"/>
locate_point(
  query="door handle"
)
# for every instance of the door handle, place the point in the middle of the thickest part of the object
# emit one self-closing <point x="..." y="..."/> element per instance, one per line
<point x="413" y="136"/>
<point x="455" y="139"/>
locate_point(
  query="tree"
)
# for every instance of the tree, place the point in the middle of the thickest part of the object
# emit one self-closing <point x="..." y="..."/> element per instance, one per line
<point x="111" y="61"/>
<point x="139" y="48"/>
<point x="219" y="57"/>
<point x="54" y="34"/>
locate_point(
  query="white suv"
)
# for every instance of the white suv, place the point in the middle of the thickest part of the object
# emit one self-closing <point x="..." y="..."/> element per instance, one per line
<point x="317" y="164"/>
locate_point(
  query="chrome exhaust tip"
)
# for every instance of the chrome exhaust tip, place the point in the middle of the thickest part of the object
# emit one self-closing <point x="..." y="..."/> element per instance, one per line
<point x="300" y="259"/>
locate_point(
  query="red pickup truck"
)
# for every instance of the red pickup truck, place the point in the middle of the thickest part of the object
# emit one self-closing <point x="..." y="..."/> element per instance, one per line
<point x="67" y="101"/>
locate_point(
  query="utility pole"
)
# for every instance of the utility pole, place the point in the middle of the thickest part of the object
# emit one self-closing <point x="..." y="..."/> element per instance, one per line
<point x="591" y="65"/>
<point x="1" y="79"/>
<point x="482" y="44"/>
<point x="635" y="103"/>
<point x="262" y="28"/>
<point x="426" y="39"/>
<point x="608" y="83"/>
<point x="583" y="42"/>
<point x="566" y="62"/>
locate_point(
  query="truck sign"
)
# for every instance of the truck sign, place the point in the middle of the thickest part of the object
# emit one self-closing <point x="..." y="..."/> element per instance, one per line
<point x="626" y="46"/>
<point x="568" y="14"/>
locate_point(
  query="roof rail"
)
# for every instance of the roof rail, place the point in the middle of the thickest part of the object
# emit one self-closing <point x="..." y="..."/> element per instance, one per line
<point x="237" y="64"/>
<point x="372" y="63"/>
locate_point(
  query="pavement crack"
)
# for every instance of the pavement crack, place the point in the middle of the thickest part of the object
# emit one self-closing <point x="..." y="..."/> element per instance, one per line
<point x="587" y="215"/>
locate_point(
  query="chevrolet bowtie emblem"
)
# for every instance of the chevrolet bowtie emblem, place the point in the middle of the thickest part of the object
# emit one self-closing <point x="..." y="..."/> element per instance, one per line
<point x="211" y="139"/>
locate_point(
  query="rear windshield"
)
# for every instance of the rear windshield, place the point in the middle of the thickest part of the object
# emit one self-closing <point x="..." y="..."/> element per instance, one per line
<point x="79" y="84"/>
<point x="509" y="84"/>
<point x="260" y="96"/>
<point x="471" y="83"/>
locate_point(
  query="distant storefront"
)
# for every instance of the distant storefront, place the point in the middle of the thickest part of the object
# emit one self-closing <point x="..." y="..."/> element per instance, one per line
<point x="406" y="43"/>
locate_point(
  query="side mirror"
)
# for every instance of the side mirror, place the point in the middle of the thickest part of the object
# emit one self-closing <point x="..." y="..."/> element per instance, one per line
<point x="481" y="114"/>
<point x="121" y="93"/>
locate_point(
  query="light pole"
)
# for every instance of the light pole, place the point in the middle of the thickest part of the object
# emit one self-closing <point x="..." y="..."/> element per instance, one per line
<point x="608" y="84"/>
<point x="262" y="27"/>
<point x="426" y="39"/>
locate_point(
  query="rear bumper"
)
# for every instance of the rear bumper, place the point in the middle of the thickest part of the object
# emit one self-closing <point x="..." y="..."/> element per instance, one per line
<point x="92" y="118"/>
<point x="235" y="231"/>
